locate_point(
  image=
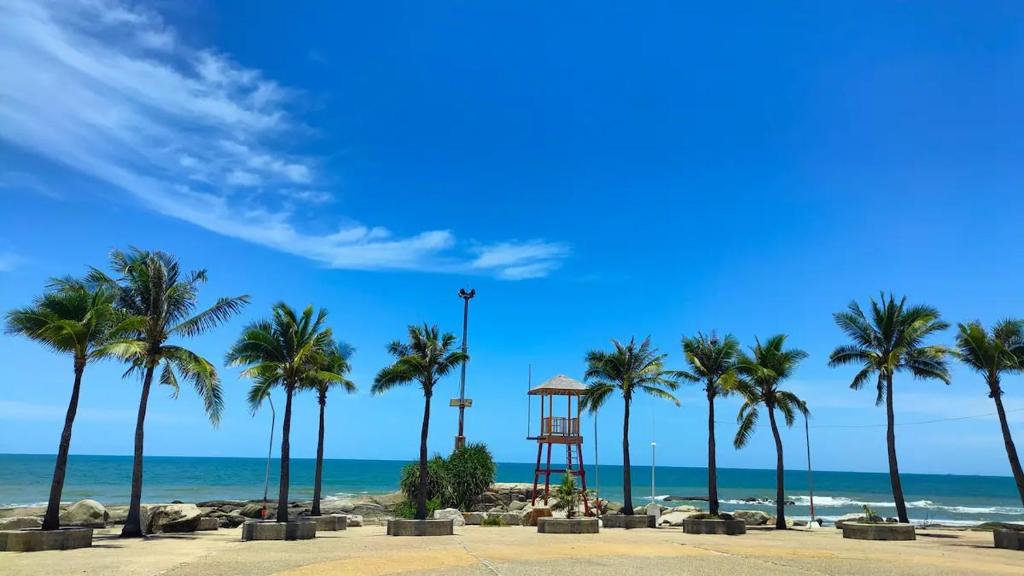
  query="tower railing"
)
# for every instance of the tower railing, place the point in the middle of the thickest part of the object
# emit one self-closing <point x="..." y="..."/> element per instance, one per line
<point x="560" y="426"/>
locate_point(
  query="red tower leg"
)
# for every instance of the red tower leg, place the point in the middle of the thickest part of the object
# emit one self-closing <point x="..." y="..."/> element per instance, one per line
<point x="547" y="477"/>
<point x="583" y="479"/>
<point x="536" y="473"/>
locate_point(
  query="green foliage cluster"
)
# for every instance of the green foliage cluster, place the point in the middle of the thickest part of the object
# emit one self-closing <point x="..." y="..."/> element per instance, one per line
<point x="455" y="482"/>
<point x="492" y="520"/>
<point x="407" y="508"/>
<point x="568" y="496"/>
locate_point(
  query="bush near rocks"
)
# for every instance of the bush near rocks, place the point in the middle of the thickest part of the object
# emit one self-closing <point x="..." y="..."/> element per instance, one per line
<point x="460" y="481"/>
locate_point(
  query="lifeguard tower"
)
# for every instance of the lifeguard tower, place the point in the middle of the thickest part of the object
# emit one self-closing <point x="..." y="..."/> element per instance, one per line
<point x="561" y="430"/>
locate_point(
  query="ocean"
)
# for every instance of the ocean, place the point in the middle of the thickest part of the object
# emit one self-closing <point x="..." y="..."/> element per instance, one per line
<point x="949" y="499"/>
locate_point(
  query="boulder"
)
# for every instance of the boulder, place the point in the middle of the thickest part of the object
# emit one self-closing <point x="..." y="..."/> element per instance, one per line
<point x="231" y="520"/>
<point x="254" y="510"/>
<point x="335" y="506"/>
<point x="496" y="509"/>
<point x="89" y="513"/>
<point x="675" y="518"/>
<point x="516" y="505"/>
<point x="789" y="522"/>
<point x="170" y="518"/>
<point x="751" y="517"/>
<point x="510" y="519"/>
<point x="613" y="507"/>
<point x="474" y="518"/>
<point x="683" y="508"/>
<point x="848" y="518"/>
<point x="117" y="514"/>
<point x="388" y="500"/>
<point x="530" y="518"/>
<point x="19" y="522"/>
<point x="354" y="520"/>
<point x="452" y="514"/>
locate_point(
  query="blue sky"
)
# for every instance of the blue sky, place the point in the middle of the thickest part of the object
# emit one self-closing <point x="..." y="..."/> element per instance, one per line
<point x="594" y="170"/>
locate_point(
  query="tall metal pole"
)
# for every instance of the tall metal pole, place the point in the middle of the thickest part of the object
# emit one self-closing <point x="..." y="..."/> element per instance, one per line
<point x="810" y="477"/>
<point x="466" y="296"/>
<point x="654" y="446"/>
<point x="270" y="450"/>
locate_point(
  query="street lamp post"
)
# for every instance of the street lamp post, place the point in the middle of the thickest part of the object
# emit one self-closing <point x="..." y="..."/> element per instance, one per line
<point x="463" y="402"/>
<point x="654" y="447"/>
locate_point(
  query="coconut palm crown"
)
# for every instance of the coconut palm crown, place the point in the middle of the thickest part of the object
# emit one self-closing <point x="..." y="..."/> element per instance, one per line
<point x="712" y="363"/>
<point x="289" y="351"/>
<point x="151" y="285"/>
<point x="425" y="358"/>
<point x="629" y="368"/>
<point x="79" y="320"/>
<point x="759" y="377"/>
<point x="993" y="355"/>
<point x="890" y="339"/>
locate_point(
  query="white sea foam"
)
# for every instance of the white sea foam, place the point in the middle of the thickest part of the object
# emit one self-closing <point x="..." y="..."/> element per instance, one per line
<point x="840" y="501"/>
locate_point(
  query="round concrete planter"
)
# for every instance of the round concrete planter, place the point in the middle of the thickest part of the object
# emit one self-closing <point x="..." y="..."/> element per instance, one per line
<point x="405" y="527"/>
<point x="272" y="530"/>
<point x="330" y="522"/>
<point x="568" y="526"/>
<point x="1008" y="539"/>
<point x="629" y="522"/>
<point x="36" y="539"/>
<point x="878" y="531"/>
<point x="714" y="526"/>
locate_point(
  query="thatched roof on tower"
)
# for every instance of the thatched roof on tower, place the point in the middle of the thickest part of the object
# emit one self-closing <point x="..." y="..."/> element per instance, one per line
<point x="560" y="385"/>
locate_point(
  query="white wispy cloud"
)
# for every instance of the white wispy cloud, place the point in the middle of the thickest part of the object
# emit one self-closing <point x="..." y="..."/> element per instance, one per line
<point x="109" y="90"/>
<point x="8" y="261"/>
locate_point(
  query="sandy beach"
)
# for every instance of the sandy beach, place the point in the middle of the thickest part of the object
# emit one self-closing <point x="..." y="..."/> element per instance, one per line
<point x="520" y="550"/>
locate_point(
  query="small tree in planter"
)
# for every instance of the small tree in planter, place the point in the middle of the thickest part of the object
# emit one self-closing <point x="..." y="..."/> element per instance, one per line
<point x="568" y="497"/>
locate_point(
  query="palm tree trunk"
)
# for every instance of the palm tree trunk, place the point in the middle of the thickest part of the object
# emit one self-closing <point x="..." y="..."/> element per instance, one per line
<point x="780" y="490"/>
<point x="1011" y="450"/>
<point x="51" y="521"/>
<point x="894" y="469"/>
<point x="421" y="497"/>
<point x="627" y="491"/>
<point x="133" y="522"/>
<point x="318" y="476"/>
<point x="286" y="428"/>
<point x="712" y="465"/>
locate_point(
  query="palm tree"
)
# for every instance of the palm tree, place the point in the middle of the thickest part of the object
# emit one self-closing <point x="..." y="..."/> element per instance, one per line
<point x="151" y="285"/>
<point x="75" y="319"/>
<point x="759" y="376"/>
<point x="994" y="354"/>
<point x="891" y="340"/>
<point x="629" y="368"/>
<point x="712" y="363"/>
<point x="289" y="351"/>
<point x="427" y="357"/>
<point x="331" y="374"/>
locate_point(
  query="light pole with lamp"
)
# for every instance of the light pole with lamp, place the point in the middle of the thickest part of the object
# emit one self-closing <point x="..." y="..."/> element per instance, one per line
<point x="462" y="402"/>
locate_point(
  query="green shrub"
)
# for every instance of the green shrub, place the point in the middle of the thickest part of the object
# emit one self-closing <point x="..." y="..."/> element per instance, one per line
<point x="439" y="486"/>
<point x="568" y="496"/>
<point x="407" y="508"/>
<point x="492" y="520"/>
<point x="456" y="482"/>
<point x="471" y="471"/>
